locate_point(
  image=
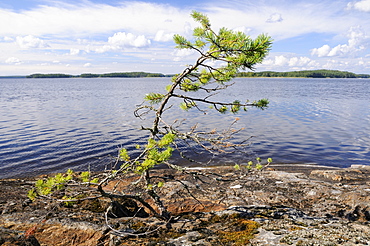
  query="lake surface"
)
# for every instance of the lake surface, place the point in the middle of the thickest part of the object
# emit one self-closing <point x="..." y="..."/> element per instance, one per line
<point x="49" y="125"/>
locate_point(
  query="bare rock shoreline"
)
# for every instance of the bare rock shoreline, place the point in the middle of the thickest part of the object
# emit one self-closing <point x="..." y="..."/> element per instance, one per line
<point x="281" y="205"/>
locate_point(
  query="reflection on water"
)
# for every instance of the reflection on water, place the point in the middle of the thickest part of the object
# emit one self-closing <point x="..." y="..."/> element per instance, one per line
<point x="49" y="125"/>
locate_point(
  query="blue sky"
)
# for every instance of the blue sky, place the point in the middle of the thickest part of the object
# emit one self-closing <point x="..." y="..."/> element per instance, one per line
<point x="101" y="36"/>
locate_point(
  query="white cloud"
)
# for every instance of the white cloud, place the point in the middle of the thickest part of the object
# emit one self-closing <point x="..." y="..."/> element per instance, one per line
<point x="161" y="36"/>
<point x="122" y="40"/>
<point x="61" y="19"/>
<point x="357" y="37"/>
<point x="286" y="62"/>
<point x="299" y="61"/>
<point x="74" y="51"/>
<point x="29" y="42"/>
<point x="294" y="17"/>
<point x="357" y="42"/>
<point x="276" y="17"/>
<point x="339" y="50"/>
<point x="181" y="54"/>
<point x="281" y="60"/>
<point x="13" y="60"/>
<point x="87" y="64"/>
<point x="363" y="5"/>
<point x="82" y="20"/>
<point x="289" y="62"/>
<point x="268" y="62"/>
<point x="8" y="39"/>
<point x="322" y="51"/>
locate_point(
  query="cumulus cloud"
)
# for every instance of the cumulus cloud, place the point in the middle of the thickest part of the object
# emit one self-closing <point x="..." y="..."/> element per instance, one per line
<point x="275" y="17"/>
<point x="8" y="39"/>
<point x="322" y="51"/>
<point x="281" y="60"/>
<point x="161" y="36"/>
<point x="299" y="61"/>
<point x="13" y="61"/>
<point x="285" y="61"/>
<point x="122" y="40"/>
<point x="30" y="42"/>
<point x="363" y="5"/>
<point x="357" y="41"/>
<point x="289" y="62"/>
<point x="181" y="54"/>
<point x="74" y="52"/>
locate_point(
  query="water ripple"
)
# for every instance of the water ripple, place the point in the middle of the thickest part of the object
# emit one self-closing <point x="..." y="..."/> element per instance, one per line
<point x="51" y="125"/>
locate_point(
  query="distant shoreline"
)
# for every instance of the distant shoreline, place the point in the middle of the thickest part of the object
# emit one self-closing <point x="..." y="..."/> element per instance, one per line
<point x="264" y="74"/>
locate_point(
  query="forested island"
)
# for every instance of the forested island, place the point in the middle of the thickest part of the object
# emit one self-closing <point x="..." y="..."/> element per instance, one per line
<point x="268" y="74"/>
<point x="105" y="75"/>
<point x="305" y="74"/>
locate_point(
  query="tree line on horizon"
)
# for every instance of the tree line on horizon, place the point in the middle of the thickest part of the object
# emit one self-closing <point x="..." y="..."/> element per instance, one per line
<point x="268" y="74"/>
<point x="91" y="75"/>
<point x="305" y="74"/>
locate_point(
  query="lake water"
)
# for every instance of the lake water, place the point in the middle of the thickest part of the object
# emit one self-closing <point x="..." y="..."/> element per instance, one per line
<point x="49" y="125"/>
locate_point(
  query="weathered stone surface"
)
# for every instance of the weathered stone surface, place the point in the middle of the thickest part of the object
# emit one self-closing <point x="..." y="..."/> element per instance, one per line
<point x="340" y="175"/>
<point x="216" y="206"/>
<point x="48" y="234"/>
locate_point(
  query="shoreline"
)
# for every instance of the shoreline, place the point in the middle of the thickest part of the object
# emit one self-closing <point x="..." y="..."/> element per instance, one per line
<point x="285" y="206"/>
<point x="290" y="167"/>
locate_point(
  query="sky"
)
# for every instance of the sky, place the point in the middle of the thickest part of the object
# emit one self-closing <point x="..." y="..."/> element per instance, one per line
<point x="103" y="36"/>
